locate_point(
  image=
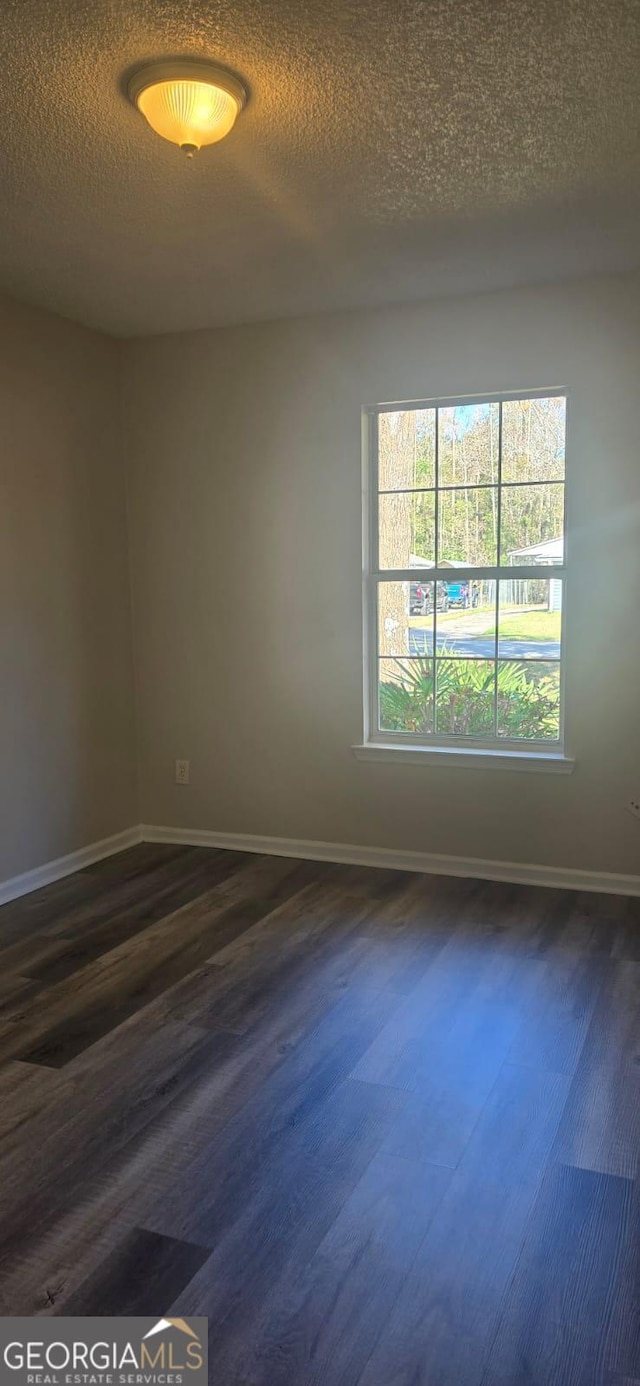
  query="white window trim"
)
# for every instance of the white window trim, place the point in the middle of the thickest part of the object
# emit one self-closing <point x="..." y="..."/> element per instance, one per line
<point x="556" y="763"/>
<point x="463" y="752"/>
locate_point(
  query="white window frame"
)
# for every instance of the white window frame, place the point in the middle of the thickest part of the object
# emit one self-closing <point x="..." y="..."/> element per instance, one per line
<point x="501" y="753"/>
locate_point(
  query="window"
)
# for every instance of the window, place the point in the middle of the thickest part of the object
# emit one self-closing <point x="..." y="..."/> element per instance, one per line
<point x="465" y="573"/>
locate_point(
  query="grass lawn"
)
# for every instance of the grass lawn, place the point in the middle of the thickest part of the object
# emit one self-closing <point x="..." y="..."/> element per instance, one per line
<point x="514" y="625"/>
<point x="531" y="625"/>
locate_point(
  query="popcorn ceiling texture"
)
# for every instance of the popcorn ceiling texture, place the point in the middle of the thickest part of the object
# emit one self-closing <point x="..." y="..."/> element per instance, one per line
<point x="391" y="149"/>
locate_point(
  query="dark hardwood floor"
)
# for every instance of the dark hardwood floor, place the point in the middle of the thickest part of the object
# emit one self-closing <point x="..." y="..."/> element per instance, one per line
<point x="383" y="1129"/>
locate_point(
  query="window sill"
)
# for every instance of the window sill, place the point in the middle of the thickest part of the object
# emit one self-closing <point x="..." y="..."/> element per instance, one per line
<point x="542" y="762"/>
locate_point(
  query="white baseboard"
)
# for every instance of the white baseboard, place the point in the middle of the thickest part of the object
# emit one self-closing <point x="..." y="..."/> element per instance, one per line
<point x="65" y="866"/>
<point x="566" y="878"/>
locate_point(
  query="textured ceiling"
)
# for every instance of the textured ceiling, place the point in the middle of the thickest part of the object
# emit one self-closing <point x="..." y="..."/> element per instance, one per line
<point x="391" y="149"/>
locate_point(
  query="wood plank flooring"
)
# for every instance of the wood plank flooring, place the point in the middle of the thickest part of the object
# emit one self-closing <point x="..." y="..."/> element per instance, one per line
<point x="382" y="1129"/>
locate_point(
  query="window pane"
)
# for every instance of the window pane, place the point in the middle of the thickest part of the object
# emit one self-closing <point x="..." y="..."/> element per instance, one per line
<point x="467" y="526"/>
<point x="530" y="618"/>
<point x="406" y="449"/>
<point x="407" y="529"/>
<point x="532" y="525"/>
<point x="466" y="620"/>
<point x="465" y="695"/>
<point x="533" y="439"/>
<point x="529" y="701"/>
<point x="405" y="618"/>
<point x="468" y="444"/>
<point x="405" y="695"/>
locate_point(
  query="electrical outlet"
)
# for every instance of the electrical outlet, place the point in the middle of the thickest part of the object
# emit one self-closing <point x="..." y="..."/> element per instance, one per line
<point x="633" y="805"/>
<point x="182" y="772"/>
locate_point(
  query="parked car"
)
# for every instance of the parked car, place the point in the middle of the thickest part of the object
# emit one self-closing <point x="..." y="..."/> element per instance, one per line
<point x="459" y="594"/>
<point x="421" y="598"/>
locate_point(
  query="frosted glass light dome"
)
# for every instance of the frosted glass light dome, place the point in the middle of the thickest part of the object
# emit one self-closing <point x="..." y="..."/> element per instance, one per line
<point x="190" y="104"/>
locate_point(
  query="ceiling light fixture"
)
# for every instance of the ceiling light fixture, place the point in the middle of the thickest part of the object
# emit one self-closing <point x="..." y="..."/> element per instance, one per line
<point x="188" y="103"/>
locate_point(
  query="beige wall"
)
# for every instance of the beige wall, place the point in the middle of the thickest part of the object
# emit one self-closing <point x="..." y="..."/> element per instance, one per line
<point x="245" y="497"/>
<point x="245" y="509"/>
<point x="67" y="718"/>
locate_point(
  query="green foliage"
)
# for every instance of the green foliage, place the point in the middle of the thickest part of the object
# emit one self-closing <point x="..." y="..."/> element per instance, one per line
<point x="407" y="706"/>
<point x="465" y="697"/>
<point x="533" y="451"/>
<point x="527" y="702"/>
